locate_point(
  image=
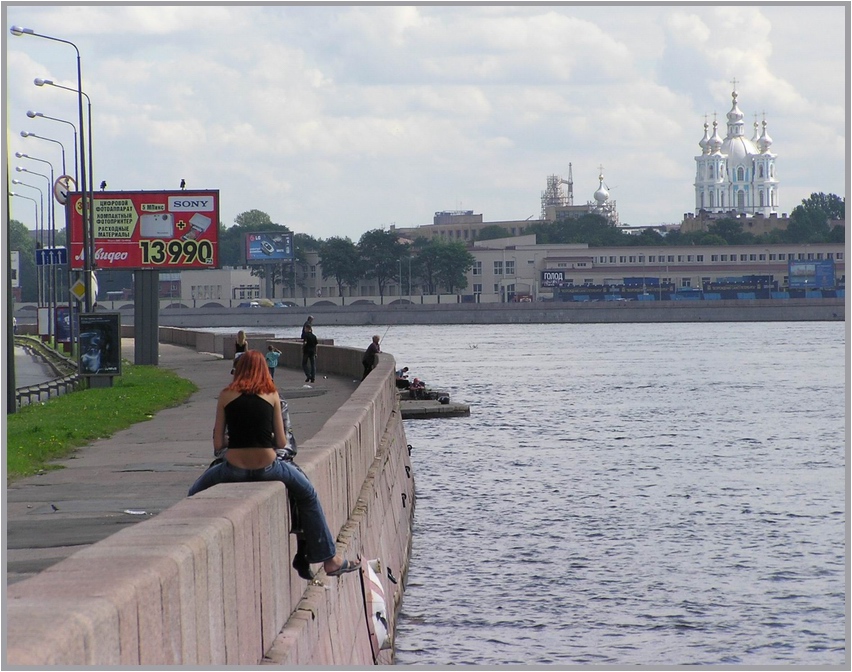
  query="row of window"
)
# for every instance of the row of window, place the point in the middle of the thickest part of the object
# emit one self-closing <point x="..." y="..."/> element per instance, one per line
<point x="767" y="198"/>
<point x="740" y="172"/>
<point x="699" y="258"/>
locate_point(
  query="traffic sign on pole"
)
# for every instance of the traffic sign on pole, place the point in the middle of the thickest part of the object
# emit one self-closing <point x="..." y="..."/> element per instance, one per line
<point x="51" y="256"/>
<point x="62" y="186"/>
<point x="78" y="290"/>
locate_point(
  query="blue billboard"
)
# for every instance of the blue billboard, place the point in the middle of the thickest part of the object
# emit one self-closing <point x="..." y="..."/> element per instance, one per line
<point x="269" y="247"/>
<point x="811" y="274"/>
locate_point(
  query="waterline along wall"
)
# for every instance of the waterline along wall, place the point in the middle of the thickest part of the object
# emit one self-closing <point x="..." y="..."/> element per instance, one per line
<point x="209" y="581"/>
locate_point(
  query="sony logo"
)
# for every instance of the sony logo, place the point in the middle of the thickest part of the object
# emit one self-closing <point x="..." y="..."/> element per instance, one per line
<point x="190" y="204"/>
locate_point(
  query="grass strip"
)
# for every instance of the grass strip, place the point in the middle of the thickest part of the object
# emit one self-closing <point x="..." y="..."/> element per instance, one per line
<point x="41" y="432"/>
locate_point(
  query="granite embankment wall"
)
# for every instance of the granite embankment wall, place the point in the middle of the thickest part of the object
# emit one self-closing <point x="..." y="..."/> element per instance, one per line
<point x="209" y="581"/>
<point x="744" y="310"/>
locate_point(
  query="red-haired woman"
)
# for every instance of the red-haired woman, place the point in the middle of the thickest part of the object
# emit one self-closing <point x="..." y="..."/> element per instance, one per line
<point x="250" y="409"/>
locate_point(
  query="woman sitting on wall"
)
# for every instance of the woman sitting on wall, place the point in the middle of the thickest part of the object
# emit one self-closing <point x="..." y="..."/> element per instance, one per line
<point x="250" y="409"/>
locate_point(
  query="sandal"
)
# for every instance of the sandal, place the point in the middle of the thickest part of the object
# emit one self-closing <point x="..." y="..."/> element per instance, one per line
<point x="344" y="568"/>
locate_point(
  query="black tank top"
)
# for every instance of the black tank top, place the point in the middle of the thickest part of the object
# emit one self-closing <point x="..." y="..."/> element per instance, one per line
<point x="249" y="421"/>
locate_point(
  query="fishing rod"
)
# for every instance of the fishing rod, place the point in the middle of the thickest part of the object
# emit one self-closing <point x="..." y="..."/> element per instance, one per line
<point x="385" y="334"/>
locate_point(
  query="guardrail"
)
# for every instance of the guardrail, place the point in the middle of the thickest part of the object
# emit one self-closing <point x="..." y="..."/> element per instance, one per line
<point x="67" y="380"/>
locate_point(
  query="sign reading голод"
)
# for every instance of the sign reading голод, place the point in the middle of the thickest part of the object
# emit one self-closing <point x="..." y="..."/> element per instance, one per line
<point x="165" y="230"/>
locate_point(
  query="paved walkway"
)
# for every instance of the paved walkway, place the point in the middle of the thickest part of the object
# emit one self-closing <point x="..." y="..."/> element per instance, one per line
<point x="30" y="370"/>
<point x="138" y="472"/>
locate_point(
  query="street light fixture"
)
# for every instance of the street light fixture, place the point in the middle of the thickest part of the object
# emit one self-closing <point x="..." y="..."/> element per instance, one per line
<point x="39" y="223"/>
<point x="25" y="134"/>
<point x="50" y="182"/>
<point x="32" y="115"/>
<point x="87" y="220"/>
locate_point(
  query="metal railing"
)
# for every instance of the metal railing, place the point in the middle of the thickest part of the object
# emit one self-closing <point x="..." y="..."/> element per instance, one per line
<point x="68" y="379"/>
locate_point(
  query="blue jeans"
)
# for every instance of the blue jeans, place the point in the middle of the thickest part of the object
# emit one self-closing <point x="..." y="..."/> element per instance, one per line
<point x="318" y="540"/>
<point x="309" y="366"/>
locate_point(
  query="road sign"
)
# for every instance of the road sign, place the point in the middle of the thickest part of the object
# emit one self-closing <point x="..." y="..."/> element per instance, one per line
<point x="51" y="256"/>
<point x="78" y="290"/>
<point x="62" y="186"/>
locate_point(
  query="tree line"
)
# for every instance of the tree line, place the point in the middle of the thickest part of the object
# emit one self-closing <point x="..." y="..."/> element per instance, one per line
<point x="434" y="265"/>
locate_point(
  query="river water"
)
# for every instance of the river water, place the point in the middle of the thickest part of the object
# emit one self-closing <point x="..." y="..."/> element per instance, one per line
<point x="633" y="494"/>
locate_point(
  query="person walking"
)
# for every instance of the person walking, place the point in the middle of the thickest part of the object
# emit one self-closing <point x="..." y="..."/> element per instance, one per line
<point x="250" y="410"/>
<point x="240" y="347"/>
<point x="308" y="323"/>
<point x="309" y="353"/>
<point x="272" y="356"/>
<point x="371" y="356"/>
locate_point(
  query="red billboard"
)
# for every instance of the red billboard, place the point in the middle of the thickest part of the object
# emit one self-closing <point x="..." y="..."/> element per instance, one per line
<point x="163" y="230"/>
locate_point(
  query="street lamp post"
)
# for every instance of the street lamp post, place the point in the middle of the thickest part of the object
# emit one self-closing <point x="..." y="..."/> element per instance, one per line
<point x="39" y="233"/>
<point x="48" y="273"/>
<point x="87" y="190"/>
<point x="25" y="134"/>
<point x="87" y="260"/>
<point x="33" y="115"/>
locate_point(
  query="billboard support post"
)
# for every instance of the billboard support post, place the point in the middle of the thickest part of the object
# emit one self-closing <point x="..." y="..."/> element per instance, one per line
<point x="146" y="317"/>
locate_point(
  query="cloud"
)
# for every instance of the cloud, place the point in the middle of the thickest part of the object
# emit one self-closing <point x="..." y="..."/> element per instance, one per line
<point x="340" y="118"/>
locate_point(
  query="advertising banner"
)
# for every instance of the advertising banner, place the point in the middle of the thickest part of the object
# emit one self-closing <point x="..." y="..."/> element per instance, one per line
<point x="811" y="274"/>
<point x="164" y="230"/>
<point x="268" y="247"/>
<point x="552" y="278"/>
<point x="100" y="344"/>
<point x="62" y="328"/>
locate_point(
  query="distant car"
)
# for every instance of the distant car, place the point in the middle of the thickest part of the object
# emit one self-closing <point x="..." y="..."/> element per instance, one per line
<point x="248" y="304"/>
<point x="280" y="304"/>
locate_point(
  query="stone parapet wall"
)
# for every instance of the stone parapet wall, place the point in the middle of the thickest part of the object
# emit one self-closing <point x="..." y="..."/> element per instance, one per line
<point x="209" y="582"/>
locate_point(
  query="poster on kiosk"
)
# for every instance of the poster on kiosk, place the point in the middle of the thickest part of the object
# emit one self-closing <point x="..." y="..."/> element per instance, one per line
<point x="147" y="230"/>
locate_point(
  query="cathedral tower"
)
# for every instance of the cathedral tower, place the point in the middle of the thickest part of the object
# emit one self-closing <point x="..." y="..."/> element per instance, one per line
<point x="735" y="173"/>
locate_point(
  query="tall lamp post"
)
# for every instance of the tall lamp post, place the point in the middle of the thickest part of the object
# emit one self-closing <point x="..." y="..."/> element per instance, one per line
<point x="42" y="229"/>
<point x="32" y="115"/>
<point x="39" y="231"/>
<point x="87" y="221"/>
<point x="35" y="202"/>
<point x="88" y="190"/>
<point x="51" y="222"/>
<point x="25" y="134"/>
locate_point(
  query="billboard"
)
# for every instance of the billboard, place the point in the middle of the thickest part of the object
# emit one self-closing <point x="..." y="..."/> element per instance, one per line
<point x="552" y="278"/>
<point x="162" y="230"/>
<point x="811" y="274"/>
<point x="100" y="344"/>
<point x="268" y="247"/>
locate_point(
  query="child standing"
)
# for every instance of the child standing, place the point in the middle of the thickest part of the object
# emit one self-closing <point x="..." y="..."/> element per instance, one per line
<point x="272" y="356"/>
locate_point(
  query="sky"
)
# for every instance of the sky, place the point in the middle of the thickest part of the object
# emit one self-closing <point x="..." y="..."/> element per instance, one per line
<point x="339" y="119"/>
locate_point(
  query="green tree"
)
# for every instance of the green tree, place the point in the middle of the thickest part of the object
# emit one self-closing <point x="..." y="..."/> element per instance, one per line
<point x="22" y="239"/>
<point x="492" y="232"/>
<point x="452" y="264"/>
<point x="809" y="221"/>
<point x="380" y="253"/>
<point x="340" y="260"/>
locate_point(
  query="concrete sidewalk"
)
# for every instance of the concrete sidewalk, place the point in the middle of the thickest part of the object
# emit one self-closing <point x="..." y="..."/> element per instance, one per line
<point x="139" y="472"/>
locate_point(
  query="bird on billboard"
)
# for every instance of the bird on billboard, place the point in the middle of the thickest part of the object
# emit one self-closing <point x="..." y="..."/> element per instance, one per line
<point x="183" y="184"/>
<point x="103" y="185"/>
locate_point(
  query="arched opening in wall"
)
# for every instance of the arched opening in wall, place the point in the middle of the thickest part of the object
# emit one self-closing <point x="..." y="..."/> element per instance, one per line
<point x="760" y="173"/>
<point x="741" y="199"/>
<point x="363" y="302"/>
<point x="740" y="173"/>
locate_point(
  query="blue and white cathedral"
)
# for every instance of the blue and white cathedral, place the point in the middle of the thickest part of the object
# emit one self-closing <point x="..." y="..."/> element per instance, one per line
<point x="736" y="173"/>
